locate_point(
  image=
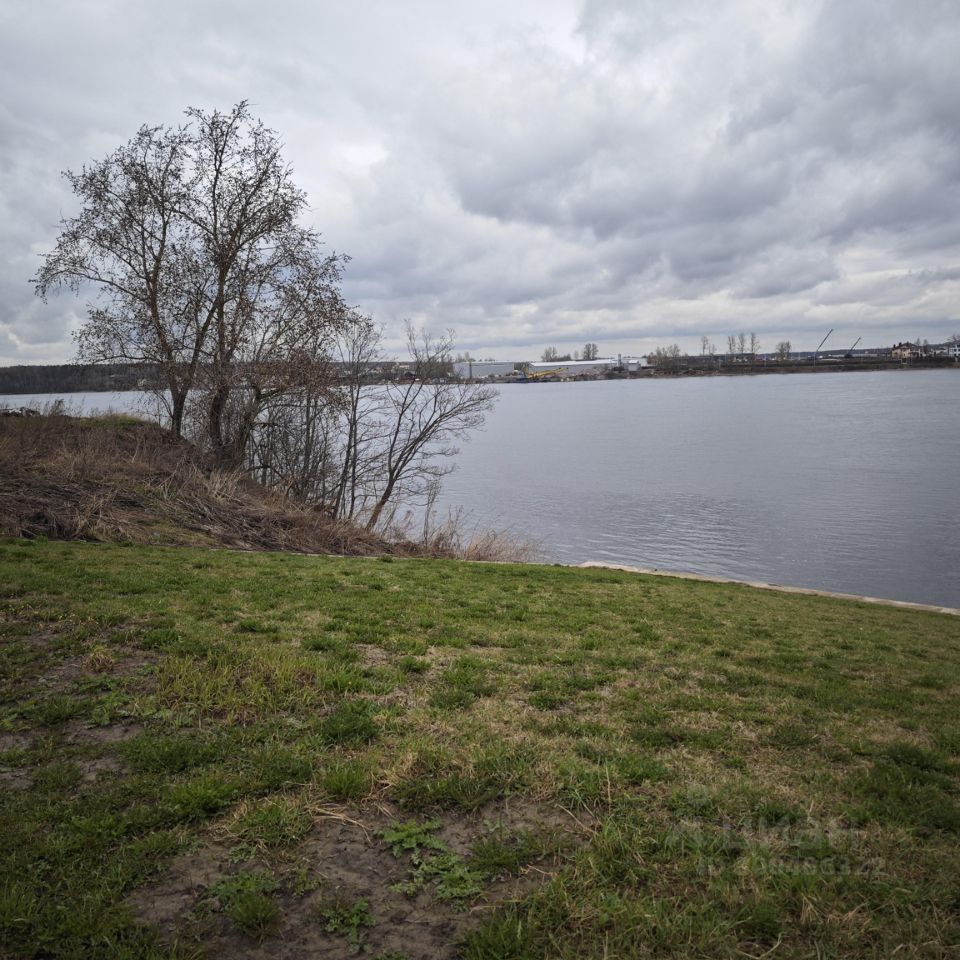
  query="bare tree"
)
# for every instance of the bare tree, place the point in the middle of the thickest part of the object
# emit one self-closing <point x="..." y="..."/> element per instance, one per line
<point x="313" y="442"/>
<point x="665" y="356"/>
<point x="754" y="345"/>
<point x="550" y="354"/>
<point x="362" y="428"/>
<point x="731" y="345"/>
<point x="425" y="417"/>
<point x="783" y="350"/>
<point x="741" y="344"/>
<point x="361" y="444"/>
<point x="190" y="237"/>
<point x="274" y="295"/>
<point x="127" y="243"/>
<point x="591" y="351"/>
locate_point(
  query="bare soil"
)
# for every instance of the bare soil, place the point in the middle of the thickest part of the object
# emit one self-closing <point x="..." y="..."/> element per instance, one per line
<point x="347" y="861"/>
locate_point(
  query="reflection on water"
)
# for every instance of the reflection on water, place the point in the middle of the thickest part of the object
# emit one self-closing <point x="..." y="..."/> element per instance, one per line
<point x="842" y="481"/>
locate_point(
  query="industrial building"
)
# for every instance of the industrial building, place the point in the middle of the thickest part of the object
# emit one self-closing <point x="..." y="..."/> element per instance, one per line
<point x="570" y="368"/>
<point x="482" y="369"/>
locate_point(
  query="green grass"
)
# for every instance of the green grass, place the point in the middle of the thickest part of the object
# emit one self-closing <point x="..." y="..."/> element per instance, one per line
<point x="676" y="769"/>
<point x="347" y="918"/>
<point x="246" y="899"/>
<point x="432" y="863"/>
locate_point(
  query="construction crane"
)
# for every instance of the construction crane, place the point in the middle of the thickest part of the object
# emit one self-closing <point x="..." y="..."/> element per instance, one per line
<point x="822" y="342"/>
<point x="855" y="342"/>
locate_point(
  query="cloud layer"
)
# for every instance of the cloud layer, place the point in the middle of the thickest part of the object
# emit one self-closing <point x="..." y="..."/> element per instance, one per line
<point x="631" y="173"/>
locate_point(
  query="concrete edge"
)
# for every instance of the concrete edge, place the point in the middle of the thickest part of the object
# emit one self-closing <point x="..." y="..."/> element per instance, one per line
<point x="759" y="585"/>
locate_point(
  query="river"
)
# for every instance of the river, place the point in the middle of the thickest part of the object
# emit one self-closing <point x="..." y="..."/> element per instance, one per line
<point x="837" y="481"/>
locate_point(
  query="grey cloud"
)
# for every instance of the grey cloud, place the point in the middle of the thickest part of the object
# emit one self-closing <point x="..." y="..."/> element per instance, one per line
<point x="618" y="171"/>
<point x="788" y="271"/>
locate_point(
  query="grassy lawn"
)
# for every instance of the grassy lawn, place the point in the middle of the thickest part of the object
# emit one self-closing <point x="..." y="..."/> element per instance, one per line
<point x="205" y="753"/>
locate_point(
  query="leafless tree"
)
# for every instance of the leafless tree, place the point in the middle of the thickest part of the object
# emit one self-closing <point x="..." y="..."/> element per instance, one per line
<point x="731" y="345"/>
<point x="273" y="294"/>
<point x="190" y="237"/>
<point x="312" y="442"/>
<point x="361" y="422"/>
<point x="783" y="350"/>
<point x="363" y="444"/>
<point x="741" y="344"/>
<point x="665" y="356"/>
<point x="425" y="416"/>
<point x="591" y="351"/>
<point x="131" y="243"/>
<point x="754" y="345"/>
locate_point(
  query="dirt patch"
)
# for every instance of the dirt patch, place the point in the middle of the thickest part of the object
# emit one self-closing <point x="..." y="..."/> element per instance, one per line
<point x="13" y="780"/>
<point x="344" y="860"/>
<point x="135" y="669"/>
<point x="512" y="815"/>
<point x="93" y="770"/>
<point x="64" y="675"/>
<point x="188" y="877"/>
<point x="15" y="741"/>
<point x="112" y="733"/>
<point x="374" y="656"/>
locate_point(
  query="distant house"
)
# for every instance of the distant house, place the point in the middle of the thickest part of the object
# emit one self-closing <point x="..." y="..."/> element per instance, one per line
<point x="905" y="351"/>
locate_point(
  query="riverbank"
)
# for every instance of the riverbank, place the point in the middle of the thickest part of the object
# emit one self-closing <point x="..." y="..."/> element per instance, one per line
<point x="100" y="378"/>
<point x="119" y="479"/>
<point x="778" y="587"/>
<point x="728" y="367"/>
<point x="258" y="754"/>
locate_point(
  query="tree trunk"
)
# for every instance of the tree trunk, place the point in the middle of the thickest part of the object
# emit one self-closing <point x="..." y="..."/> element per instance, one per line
<point x="177" y="405"/>
<point x="218" y="404"/>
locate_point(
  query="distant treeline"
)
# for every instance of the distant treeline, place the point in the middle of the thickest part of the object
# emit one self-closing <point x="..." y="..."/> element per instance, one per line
<point x="74" y="377"/>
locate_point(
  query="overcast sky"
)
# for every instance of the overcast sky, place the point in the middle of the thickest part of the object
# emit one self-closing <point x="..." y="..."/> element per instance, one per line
<point x="537" y="172"/>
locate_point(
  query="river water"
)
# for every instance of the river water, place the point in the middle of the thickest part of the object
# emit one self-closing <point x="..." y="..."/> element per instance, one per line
<point x="838" y="481"/>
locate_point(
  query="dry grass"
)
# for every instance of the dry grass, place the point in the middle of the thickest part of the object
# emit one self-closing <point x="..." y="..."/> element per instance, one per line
<point x="453" y="539"/>
<point x="119" y="479"/>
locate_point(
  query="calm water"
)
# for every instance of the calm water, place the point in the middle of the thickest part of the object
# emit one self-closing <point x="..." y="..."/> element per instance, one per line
<point x="844" y="482"/>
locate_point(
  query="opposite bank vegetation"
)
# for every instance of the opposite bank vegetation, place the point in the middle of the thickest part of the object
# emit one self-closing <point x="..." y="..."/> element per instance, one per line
<point x="207" y="752"/>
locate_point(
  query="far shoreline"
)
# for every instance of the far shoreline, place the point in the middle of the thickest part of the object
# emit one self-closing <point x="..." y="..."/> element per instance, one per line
<point x="646" y="373"/>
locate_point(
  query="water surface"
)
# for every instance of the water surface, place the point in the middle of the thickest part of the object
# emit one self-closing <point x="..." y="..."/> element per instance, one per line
<point x="839" y="481"/>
